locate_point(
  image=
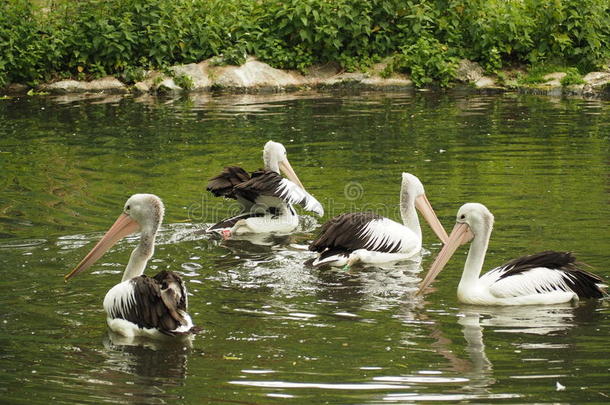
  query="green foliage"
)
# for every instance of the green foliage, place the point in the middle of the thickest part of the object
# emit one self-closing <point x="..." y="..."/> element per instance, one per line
<point x="106" y="36"/>
<point x="184" y="81"/>
<point x="92" y="38"/>
<point x="498" y="30"/>
<point x="235" y="55"/>
<point x="27" y="51"/>
<point x="536" y="73"/>
<point x="427" y="60"/>
<point x="578" y="31"/>
<point x="572" y="77"/>
<point x="132" y="74"/>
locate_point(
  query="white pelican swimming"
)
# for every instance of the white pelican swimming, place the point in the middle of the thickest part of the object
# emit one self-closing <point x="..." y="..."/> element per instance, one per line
<point x="266" y="196"/>
<point x="371" y="238"/>
<point x="542" y="278"/>
<point x="140" y="305"/>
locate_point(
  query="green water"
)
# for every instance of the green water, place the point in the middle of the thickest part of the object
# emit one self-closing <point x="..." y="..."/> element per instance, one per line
<point x="275" y="331"/>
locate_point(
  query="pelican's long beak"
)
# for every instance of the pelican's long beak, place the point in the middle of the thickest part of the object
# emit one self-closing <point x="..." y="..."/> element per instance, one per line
<point x="123" y="226"/>
<point x="287" y="169"/>
<point x="423" y="205"/>
<point x="460" y="235"/>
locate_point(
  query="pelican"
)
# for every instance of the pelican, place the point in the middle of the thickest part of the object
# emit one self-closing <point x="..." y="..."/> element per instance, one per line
<point x="265" y="195"/>
<point x="543" y="278"/>
<point x="370" y="238"/>
<point x="140" y="305"/>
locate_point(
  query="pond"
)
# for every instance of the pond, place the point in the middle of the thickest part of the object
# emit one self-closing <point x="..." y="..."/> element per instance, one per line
<point x="274" y="330"/>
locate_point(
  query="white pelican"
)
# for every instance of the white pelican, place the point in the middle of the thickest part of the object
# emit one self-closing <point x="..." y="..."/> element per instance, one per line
<point x="542" y="278"/>
<point x="140" y="305"/>
<point x="266" y="196"/>
<point x="371" y="238"/>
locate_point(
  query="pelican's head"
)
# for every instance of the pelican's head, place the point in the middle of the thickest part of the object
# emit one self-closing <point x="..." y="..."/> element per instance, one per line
<point x="476" y="217"/>
<point x="472" y="220"/>
<point x="413" y="190"/>
<point x="141" y="212"/>
<point x="412" y="185"/>
<point x="274" y="156"/>
<point x="145" y="209"/>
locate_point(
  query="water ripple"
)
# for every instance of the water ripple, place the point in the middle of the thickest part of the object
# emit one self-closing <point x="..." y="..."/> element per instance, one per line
<point x="323" y="386"/>
<point x="22" y="243"/>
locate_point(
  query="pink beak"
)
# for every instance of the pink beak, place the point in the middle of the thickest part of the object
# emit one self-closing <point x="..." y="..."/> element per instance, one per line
<point x="423" y="205"/>
<point x="460" y="235"/>
<point x="286" y="167"/>
<point x="123" y="226"/>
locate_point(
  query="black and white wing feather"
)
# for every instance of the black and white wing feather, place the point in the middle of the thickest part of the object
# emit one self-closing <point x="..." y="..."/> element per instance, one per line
<point x="541" y="273"/>
<point x="271" y="184"/>
<point x="223" y="184"/>
<point x="363" y="230"/>
<point x="158" y="302"/>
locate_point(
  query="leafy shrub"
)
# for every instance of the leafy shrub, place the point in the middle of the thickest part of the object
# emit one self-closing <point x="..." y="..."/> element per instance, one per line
<point x="132" y="74"/>
<point x="572" y="77"/>
<point x="106" y="36"/>
<point x="321" y="29"/>
<point x="499" y="30"/>
<point x="578" y="31"/>
<point x="426" y="60"/>
<point x="27" y="50"/>
<point x="90" y="38"/>
<point x="184" y="81"/>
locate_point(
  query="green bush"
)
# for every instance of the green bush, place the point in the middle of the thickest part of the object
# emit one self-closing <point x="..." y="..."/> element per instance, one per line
<point x="28" y="51"/>
<point x="578" y="31"/>
<point x="427" y="60"/>
<point x="572" y="77"/>
<point x="107" y="36"/>
<point x="90" y="38"/>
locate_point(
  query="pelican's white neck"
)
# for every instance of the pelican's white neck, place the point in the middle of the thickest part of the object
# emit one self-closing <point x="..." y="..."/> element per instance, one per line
<point x="272" y="165"/>
<point x="140" y="255"/>
<point x="475" y="259"/>
<point x="408" y="212"/>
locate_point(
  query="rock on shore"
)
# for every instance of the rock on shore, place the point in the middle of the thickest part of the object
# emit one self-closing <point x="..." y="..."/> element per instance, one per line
<point x="256" y="76"/>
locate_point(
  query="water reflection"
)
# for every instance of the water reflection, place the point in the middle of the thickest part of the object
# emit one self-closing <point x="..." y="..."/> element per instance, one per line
<point x="479" y="370"/>
<point x="549" y="321"/>
<point x="536" y="320"/>
<point x="371" y="288"/>
<point x="144" y="370"/>
<point x="479" y="324"/>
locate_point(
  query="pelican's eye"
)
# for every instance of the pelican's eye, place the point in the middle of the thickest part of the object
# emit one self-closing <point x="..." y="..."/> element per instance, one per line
<point x="462" y="216"/>
<point x="127" y="208"/>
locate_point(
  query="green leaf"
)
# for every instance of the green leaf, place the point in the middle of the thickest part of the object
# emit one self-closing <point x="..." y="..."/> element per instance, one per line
<point x="304" y="34"/>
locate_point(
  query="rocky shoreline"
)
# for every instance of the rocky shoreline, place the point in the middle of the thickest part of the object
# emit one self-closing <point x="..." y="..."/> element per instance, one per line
<point x="255" y="77"/>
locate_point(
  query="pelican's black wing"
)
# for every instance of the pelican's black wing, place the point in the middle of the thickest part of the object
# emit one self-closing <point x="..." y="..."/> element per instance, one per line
<point x="270" y="184"/>
<point x="223" y="184"/>
<point x="542" y="273"/>
<point x="358" y="230"/>
<point x="157" y="302"/>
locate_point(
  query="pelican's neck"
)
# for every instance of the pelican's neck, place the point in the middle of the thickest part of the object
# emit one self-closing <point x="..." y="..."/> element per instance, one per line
<point x="475" y="259"/>
<point x="140" y="255"/>
<point x="272" y="165"/>
<point x="271" y="160"/>
<point x="408" y="213"/>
